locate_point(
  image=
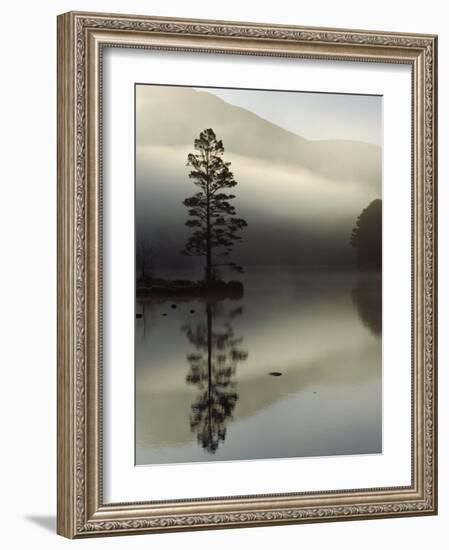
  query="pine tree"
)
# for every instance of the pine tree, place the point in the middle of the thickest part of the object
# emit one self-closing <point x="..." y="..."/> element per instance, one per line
<point x="213" y="217"/>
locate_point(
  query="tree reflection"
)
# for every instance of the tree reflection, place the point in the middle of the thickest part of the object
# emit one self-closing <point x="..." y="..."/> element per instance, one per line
<point x="367" y="296"/>
<point x="212" y="371"/>
<point x="145" y="318"/>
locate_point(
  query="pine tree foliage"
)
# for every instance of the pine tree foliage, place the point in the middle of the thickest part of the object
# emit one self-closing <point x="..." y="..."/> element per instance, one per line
<point x="213" y="217"/>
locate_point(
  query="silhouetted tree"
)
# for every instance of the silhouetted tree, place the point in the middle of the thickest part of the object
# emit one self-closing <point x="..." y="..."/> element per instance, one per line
<point x="144" y="259"/>
<point x="366" y="237"/>
<point x="212" y="370"/>
<point x="214" y="222"/>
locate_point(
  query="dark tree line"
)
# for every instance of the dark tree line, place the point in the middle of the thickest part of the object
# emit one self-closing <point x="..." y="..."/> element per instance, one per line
<point x="366" y="237"/>
<point x="212" y="215"/>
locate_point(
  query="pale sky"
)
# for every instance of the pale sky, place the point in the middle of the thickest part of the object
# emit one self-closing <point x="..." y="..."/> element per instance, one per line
<point x="315" y="116"/>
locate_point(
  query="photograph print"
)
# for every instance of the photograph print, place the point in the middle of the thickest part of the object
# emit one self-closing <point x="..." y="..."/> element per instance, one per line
<point x="258" y="274"/>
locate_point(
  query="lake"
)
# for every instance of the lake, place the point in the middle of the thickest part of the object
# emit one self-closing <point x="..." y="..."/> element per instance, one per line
<point x="292" y="369"/>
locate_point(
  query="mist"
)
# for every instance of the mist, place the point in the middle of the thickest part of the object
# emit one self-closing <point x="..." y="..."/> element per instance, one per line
<point x="300" y="197"/>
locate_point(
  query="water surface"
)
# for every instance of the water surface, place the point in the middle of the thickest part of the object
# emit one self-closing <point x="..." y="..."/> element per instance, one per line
<point x="293" y="369"/>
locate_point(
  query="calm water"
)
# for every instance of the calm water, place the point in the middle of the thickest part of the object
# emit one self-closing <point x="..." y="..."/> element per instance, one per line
<point x="203" y="385"/>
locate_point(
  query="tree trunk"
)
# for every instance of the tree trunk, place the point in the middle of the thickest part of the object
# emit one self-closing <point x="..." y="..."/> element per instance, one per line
<point x="208" y="243"/>
<point x="208" y="256"/>
<point x="208" y="229"/>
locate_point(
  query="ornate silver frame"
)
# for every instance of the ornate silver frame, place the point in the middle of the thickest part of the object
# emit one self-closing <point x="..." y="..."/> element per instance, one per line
<point x="81" y="39"/>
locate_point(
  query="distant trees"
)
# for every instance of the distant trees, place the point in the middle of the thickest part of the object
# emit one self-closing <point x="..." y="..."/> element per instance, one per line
<point x="212" y="216"/>
<point x="144" y="259"/>
<point x="366" y="237"/>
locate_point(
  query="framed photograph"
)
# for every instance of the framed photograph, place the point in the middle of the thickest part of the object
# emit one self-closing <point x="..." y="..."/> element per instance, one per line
<point x="246" y="274"/>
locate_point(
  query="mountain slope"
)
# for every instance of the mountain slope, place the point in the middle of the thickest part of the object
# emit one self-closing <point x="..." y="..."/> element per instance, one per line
<point x="174" y="116"/>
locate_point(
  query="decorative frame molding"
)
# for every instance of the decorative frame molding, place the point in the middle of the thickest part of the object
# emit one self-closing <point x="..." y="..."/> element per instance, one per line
<point x="81" y="38"/>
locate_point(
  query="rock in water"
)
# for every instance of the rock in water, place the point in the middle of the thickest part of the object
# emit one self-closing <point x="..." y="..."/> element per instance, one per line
<point x="275" y="373"/>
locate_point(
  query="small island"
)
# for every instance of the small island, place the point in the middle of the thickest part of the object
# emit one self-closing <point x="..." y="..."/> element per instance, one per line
<point x="164" y="288"/>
